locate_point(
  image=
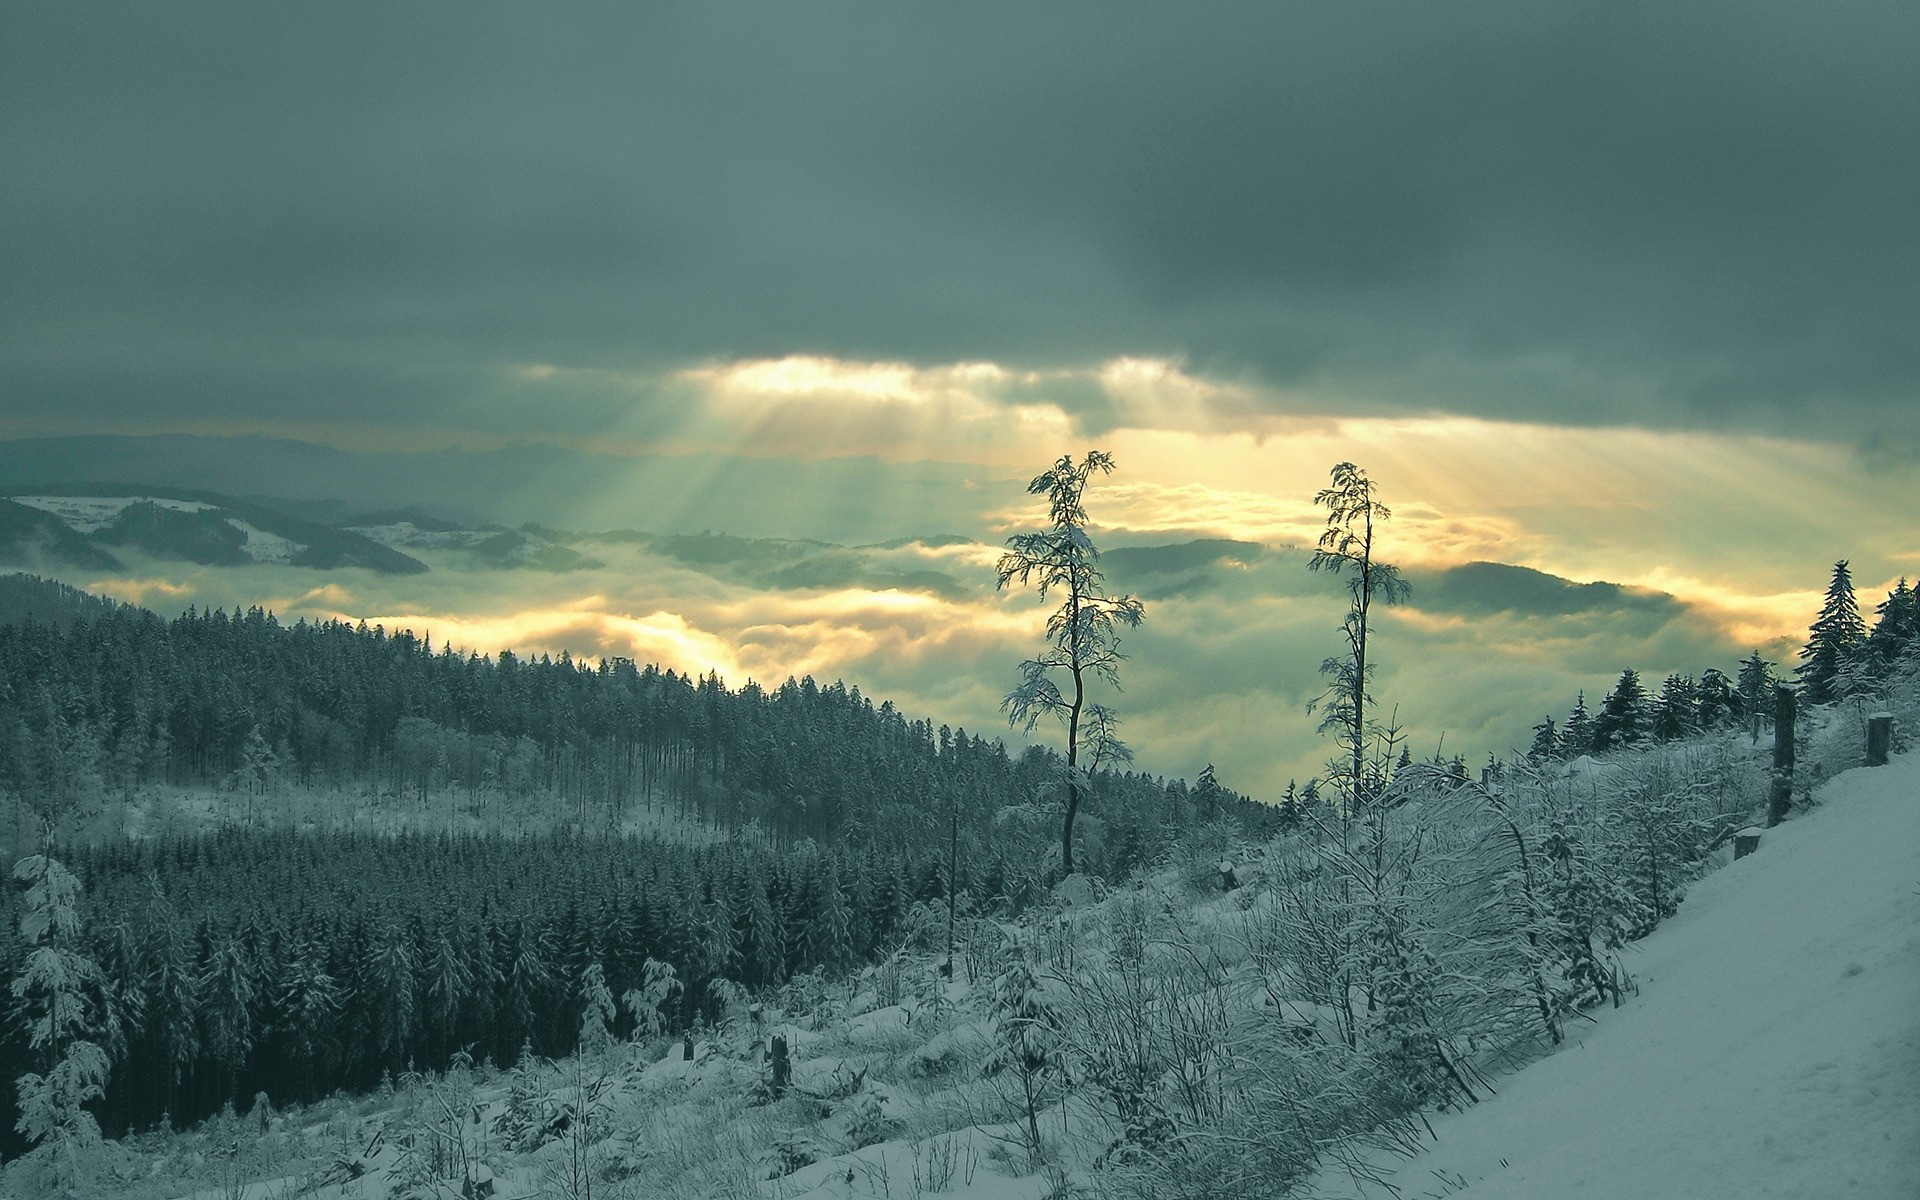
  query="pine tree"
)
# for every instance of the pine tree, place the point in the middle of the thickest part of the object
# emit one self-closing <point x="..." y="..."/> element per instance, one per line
<point x="227" y="994"/>
<point x="596" y="1011"/>
<point x="56" y="989"/>
<point x="1755" y="688"/>
<point x="1675" y="709"/>
<point x="1624" y="719"/>
<point x="1577" y="733"/>
<point x="1716" y="703"/>
<point x="1896" y="626"/>
<point x="1546" y="742"/>
<point x="1833" y="642"/>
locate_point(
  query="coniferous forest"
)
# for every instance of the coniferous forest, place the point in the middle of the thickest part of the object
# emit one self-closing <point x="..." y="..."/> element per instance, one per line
<point x="800" y="829"/>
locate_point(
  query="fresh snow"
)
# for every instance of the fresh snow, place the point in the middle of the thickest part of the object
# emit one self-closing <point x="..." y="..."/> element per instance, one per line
<point x="1773" y="1050"/>
<point x="84" y="514"/>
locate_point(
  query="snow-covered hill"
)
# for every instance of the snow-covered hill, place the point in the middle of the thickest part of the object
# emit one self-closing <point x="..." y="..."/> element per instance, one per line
<point x="1773" y="1050"/>
<point x="86" y="526"/>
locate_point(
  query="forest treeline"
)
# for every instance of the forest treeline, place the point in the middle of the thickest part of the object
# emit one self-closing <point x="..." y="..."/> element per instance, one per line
<point x="266" y="960"/>
<point x="292" y="964"/>
<point x="113" y="702"/>
<point x="1843" y="657"/>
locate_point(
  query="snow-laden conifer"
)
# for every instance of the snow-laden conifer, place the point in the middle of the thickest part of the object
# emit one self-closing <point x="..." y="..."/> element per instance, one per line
<point x="57" y="990"/>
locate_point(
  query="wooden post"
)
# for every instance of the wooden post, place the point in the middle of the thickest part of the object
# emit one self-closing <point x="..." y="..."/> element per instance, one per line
<point x="1781" y="796"/>
<point x="686" y="1049"/>
<point x="1745" y="842"/>
<point x="1879" y="738"/>
<point x="782" y="1066"/>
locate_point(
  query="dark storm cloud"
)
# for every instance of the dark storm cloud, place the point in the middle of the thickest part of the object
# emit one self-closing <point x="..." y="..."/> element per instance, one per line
<point x="1696" y="214"/>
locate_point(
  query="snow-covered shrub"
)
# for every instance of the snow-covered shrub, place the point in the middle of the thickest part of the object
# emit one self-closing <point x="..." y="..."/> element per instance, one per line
<point x="1026" y="1034"/>
<point x="867" y="1120"/>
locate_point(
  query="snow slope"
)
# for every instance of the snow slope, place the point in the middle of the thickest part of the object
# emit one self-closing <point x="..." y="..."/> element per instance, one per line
<point x="1774" y="1050"/>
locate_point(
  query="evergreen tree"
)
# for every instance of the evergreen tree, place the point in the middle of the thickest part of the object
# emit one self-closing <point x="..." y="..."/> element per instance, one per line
<point x="56" y="990"/>
<point x="1577" y="733"/>
<point x="1624" y="718"/>
<point x="1755" y="689"/>
<point x="227" y="1002"/>
<point x="596" y="1011"/>
<point x="1546" y="742"/>
<point x="1896" y="626"/>
<point x="1833" y="642"/>
<point x="1676" y="709"/>
<point x="1716" y="702"/>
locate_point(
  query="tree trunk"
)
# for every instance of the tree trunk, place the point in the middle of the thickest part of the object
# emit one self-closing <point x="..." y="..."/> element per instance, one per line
<point x="1780" y="797"/>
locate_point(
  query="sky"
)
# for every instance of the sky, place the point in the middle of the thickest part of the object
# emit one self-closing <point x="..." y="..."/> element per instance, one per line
<point x="1618" y="293"/>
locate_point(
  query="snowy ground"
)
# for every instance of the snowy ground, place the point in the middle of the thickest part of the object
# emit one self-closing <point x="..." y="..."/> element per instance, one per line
<point x="1774" y="1049"/>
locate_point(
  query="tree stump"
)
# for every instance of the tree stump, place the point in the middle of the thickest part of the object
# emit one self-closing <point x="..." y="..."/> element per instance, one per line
<point x="686" y="1049"/>
<point x="1781" y="796"/>
<point x="1745" y="842"/>
<point x="1879" y="738"/>
<point x="782" y="1066"/>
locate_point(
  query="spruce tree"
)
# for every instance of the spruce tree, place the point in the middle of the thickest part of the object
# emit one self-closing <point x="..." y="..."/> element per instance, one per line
<point x="1896" y="626"/>
<point x="1624" y="718"/>
<point x="1716" y="703"/>
<point x="1546" y="742"/>
<point x="1833" y="642"/>
<point x="56" y="990"/>
<point x="1675" y="709"/>
<point x="1576" y="734"/>
<point x="1755" y="688"/>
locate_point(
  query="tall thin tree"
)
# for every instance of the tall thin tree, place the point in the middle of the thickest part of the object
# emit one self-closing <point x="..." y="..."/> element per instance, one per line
<point x="1083" y="634"/>
<point x="1346" y="548"/>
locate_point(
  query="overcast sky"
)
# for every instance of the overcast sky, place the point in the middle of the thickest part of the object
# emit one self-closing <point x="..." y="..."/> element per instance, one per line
<point x="1618" y="291"/>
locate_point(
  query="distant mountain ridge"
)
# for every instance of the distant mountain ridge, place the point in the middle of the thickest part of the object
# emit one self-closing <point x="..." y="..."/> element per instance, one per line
<point x="82" y="524"/>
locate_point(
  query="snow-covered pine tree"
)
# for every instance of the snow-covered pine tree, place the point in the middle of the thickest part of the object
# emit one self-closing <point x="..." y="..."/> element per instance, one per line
<point x="1624" y="718"/>
<point x="1755" y="688"/>
<point x="57" y="989"/>
<point x="1676" y="709"/>
<point x="1896" y="626"/>
<point x="1546" y="742"/>
<point x="1836" y="637"/>
<point x="596" y="1011"/>
<point x="1576" y="733"/>
<point x="227" y="995"/>
<point x="1716" y="703"/>
<point x="647" y="1004"/>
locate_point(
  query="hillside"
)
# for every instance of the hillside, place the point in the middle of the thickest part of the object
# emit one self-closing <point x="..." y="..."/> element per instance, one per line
<point x="26" y="598"/>
<point x="83" y="525"/>
<point x="1764" y="1040"/>
<point x="1774" y="1048"/>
